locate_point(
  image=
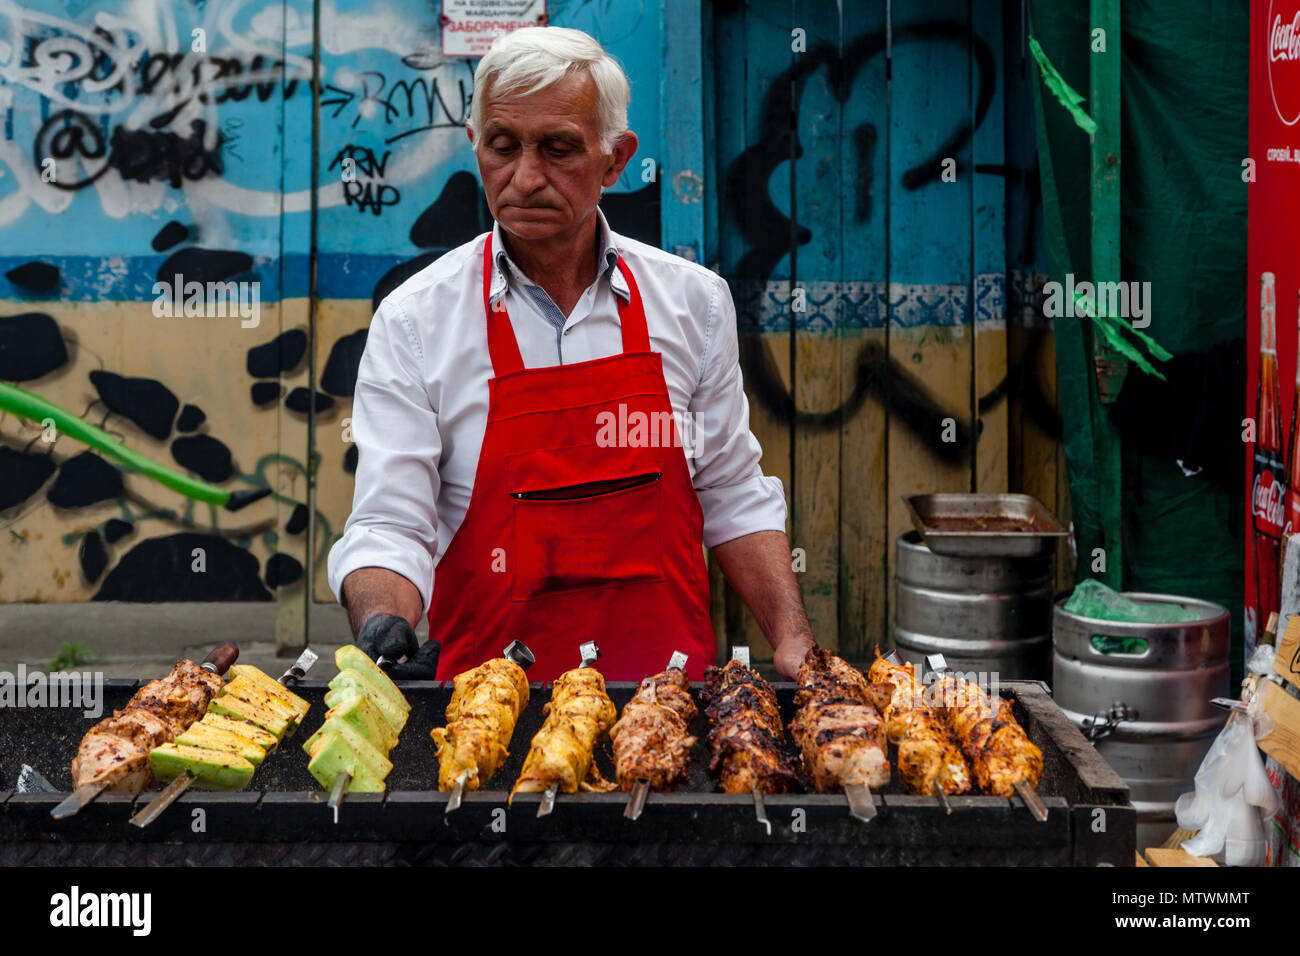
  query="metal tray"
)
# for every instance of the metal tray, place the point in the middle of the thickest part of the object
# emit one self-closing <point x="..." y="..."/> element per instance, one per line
<point x="984" y="525"/>
<point x="283" y="817"/>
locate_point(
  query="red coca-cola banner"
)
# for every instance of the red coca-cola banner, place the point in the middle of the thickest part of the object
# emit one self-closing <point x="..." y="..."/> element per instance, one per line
<point x="1273" y="263"/>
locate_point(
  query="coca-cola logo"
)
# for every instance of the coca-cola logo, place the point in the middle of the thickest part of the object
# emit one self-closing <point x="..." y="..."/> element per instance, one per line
<point x="1268" y="502"/>
<point x="1283" y="25"/>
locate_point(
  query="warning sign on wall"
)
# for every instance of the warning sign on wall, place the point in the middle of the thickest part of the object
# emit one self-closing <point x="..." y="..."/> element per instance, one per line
<point x="470" y="26"/>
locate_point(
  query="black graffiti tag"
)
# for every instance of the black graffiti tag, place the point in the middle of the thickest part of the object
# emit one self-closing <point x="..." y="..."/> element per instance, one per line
<point x="71" y="137"/>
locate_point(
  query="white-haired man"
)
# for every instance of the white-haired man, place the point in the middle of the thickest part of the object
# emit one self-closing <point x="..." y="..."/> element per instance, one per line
<point x="550" y="419"/>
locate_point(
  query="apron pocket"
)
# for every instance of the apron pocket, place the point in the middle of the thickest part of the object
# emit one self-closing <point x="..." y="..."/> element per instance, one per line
<point x="591" y="535"/>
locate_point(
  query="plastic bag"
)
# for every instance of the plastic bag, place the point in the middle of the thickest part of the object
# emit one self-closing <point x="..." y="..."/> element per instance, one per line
<point x="1091" y="598"/>
<point x="1232" y="799"/>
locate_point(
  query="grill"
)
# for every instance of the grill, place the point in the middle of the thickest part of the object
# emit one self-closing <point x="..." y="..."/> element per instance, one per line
<point x="283" y="817"/>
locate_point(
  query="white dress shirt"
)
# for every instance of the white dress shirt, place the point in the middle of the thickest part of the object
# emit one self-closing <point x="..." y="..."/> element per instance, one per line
<point x="421" y="403"/>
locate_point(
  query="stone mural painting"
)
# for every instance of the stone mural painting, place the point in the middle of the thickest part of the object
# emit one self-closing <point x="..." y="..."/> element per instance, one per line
<point x="160" y="203"/>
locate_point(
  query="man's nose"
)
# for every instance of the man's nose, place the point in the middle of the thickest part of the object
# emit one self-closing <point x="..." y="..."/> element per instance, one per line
<point x="530" y="172"/>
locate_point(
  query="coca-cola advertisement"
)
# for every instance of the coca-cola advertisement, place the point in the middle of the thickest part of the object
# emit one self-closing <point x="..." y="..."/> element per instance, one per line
<point x="1273" y="262"/>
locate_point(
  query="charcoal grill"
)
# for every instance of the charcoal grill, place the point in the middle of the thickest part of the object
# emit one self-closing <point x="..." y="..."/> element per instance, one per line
<point x="283" y="817"/>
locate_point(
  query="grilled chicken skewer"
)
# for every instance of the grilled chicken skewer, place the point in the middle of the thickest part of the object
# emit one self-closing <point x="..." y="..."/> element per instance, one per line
<point x="746" y="738"/>
<point x="1006" y="763"/>
<point x="839" y="729"/>
<point x="562" y="754"/>
<point x="652" y="743"/>
<point x="114" y="754"/>
<point x="485" y="705"/>
<point x="929" y="759"/>
<point x="182" y="782"/>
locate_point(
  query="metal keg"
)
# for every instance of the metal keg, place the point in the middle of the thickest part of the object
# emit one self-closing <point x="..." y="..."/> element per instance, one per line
<point x="1147" y="711"/>
<point x="983" y="614"/>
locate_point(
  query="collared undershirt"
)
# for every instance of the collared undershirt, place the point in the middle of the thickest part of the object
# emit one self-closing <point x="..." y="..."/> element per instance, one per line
<point x="542" y="299"/>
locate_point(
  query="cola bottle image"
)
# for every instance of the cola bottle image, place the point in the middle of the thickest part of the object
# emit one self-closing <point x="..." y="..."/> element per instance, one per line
<point x="1268" y="492"/>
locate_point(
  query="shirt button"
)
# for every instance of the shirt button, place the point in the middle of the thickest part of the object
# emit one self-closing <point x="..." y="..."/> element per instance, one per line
<point x="568" y="330"/>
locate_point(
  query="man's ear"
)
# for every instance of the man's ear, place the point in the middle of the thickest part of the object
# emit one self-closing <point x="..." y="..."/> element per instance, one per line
<point x="624" y="149"/>
<point x="469" y="131"/>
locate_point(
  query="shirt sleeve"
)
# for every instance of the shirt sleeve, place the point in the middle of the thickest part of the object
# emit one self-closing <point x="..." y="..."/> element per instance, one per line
<point x="393" y="523"/>
<point x="735" y="495"/>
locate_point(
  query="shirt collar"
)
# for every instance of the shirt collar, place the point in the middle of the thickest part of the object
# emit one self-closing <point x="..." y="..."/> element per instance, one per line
<point x="504" y="268"/>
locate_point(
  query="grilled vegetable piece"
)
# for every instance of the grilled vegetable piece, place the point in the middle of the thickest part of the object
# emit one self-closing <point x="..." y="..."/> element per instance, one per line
<point x="204" y="736"/>
<point x="366" y="721"/>
<point x="272" y="686"/>
<point x="928" y="754"/>
<point x="563" y="750"/>
<point x="349" y="657"/>
<point x="651" y="739"/>
<point x="331" y="755"/>
<point x="486" y="701"/>
<point x="839" y="728"/>
<point x="251" y="693"/>
<point x="212" y="769"/>
<point x="746" y="736"/>
<point x="239" y="708"/>
<point x="348" y="683"/>
<point x="241" y="728"/>
<point x="365" y="753"/>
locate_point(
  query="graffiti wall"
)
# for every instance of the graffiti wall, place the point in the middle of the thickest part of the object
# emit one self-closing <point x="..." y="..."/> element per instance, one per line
<point x="149" y="146"/>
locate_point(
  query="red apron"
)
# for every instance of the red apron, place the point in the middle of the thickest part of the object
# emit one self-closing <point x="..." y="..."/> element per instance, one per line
<point x="583" y="523"/>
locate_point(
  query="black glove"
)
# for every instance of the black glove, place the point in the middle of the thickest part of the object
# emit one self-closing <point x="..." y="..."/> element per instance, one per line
<point x="423" y="666"/>
<point x="388" y="636"/>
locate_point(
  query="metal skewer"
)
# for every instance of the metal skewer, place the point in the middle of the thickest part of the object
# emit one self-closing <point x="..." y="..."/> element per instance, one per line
<point x="1032" y="800"/>
<point x="172" y="792"/>
<point x="336" y="793"/>
<point x="861" y="806"/>
<point x="641" y="789"/>
<point x="217" y="661"/>
<point x="760" y="810"/>
<point x="937" y="789"/>
<point x="79" y="799"/>
<point x="590" y="654"/>
<point x="169" y="795"/>
<point x="518" y="652"/>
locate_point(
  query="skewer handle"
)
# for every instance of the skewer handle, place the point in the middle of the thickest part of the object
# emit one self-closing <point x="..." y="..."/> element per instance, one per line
<point x="545" y="808"/>
<point x="636" y="800"/>
<point x="457" y="792"/>
<point x="220" y="658"/>
<point x="78" y="800"/>
<point x="169" y="795"/>
<point x="1032" y="800"/>
<point x="760" y="810"/>
<point x="861" y="805"/>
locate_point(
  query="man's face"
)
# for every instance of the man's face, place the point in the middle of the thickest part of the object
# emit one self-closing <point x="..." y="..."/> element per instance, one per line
<point x="541" y="161"/>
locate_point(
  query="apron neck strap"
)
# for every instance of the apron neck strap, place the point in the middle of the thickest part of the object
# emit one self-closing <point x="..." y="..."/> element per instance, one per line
<point x="504" y="347"/>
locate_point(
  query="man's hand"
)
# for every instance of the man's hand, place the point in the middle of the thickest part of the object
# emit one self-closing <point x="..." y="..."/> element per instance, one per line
<point x="758" y="566"/>
<point x="392" y="638"/>
<point x="790" y="655"/>
<point x="388" y="636"/>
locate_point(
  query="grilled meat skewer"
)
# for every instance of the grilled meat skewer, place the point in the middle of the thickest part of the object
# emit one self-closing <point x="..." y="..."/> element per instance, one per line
<point x="115" y="752"/>
<point x="993" y="741"/>
<point x="485" y="705"/>
<point x="928" y="755"/>
<point x="839" y="728"/>
<point x="651" y="739"/>
<point x="562" y="754"/>
<point x="746" y="738"/>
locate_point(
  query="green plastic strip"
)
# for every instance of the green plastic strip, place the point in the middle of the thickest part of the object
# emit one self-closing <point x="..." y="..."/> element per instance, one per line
<point x="1062" y="90"/>
<point x="32" y="407"/>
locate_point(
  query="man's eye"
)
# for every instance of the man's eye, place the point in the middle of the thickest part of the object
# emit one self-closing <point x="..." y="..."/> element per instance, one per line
<point x="559" y="151"/>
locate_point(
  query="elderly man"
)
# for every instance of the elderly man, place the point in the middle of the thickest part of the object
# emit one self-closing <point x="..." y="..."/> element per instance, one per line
<point x="550" y="419"/>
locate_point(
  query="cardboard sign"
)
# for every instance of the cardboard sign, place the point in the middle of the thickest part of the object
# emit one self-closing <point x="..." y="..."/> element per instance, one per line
<point x="470" y="26"/>
<point x="1286" y="663"/>
<point x="1282" y="743"/>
